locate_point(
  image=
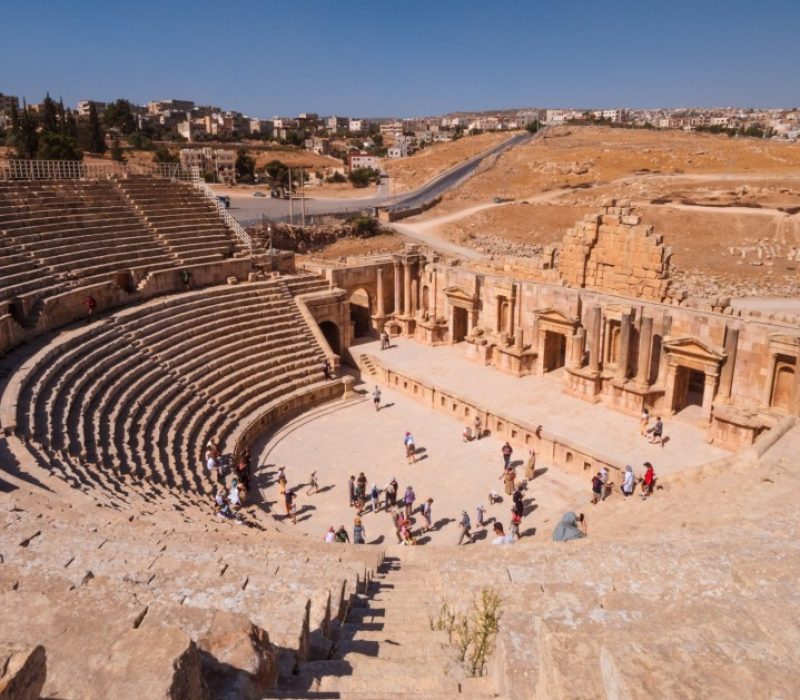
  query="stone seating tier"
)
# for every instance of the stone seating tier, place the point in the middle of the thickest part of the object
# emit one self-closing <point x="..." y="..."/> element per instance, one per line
<point x="137" y="395"/>
<point x="113" y="589"/>
<point x="55" y="235"/>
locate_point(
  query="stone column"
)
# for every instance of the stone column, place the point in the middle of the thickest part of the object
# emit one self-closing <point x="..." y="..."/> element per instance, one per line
<point x="709" y="390"/>
<point x="396" y="288"/>
<point x="726" y="374"/>
<point x="576" y="351"/>
<point x="414" y="297"/>
<point x="766" y="392"/>
<point x="669" y="387"/>
<point x="624" y="347"/>
<point x="645" y="345"/>
<point x="406" y="288"/>
<point x="795" y="403"/>
<point x="595" y="346"/>
<point x="380" y="307"/>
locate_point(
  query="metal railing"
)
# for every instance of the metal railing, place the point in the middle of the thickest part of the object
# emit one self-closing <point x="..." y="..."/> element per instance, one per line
<point x="19" y="169"/>
<point x="199" y="184"/>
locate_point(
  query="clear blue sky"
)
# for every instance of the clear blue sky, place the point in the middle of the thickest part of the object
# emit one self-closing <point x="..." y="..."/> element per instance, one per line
<point x="404" y="58"/>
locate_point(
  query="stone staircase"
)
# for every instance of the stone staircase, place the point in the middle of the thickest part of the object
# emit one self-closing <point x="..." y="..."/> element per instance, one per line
<point x="386" y="647"/>
<point x="366" y="364"/>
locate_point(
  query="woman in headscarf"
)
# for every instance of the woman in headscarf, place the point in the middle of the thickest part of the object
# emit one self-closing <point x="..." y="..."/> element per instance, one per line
<point x="567" y="529"/>
<point x="628" y="480"/>
<point x="530" y="465"/>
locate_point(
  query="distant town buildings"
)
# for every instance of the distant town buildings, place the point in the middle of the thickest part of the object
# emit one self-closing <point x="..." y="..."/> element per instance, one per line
<point x="358" y="160"/>
<point x="219" y="162"/>
<point x="85" y="106"/>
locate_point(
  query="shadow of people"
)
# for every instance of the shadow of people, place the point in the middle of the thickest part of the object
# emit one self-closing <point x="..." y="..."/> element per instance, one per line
<point x="516" y="463"/>
<point x="377" y="540"/>
<point x="479" y="535"/>
<point x="439" y="524"/>
<point x="538" y="472"/>
<point x="385" y="405"/>
<point x="325" y="489"/>
<point x="528" y="508"/>
<point x="530" y="532"/>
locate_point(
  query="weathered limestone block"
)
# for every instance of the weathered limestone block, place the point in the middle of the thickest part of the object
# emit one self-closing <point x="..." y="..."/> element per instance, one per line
<point x="23" y="670"/>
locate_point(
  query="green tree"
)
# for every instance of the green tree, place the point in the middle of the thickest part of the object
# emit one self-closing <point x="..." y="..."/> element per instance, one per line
<point x="362" y="177"/>
<point x="164" y="155"/>
<point x="533" y="126"/>
<point x="245" y="166"/>
<point x="49" y="115"/>
<point x="119" y="115"/>
<point x="55" y="146"/>
<point x="278" y="173"/>
<point x="26" y="138"/>
<point x="140" y="141"/>
<point x="116" y="151"/>
<point x="95" y="138"/>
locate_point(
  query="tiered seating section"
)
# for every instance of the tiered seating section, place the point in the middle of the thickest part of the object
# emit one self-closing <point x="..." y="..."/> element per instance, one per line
<point x="186" y="223"/>
<point x="141" y="393"/>
<point x="61" y="234"/>
<point x="118" y="609"/>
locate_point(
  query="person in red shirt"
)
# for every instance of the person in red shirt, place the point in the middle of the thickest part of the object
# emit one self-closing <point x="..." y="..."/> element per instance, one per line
<point x="649" y="480"/>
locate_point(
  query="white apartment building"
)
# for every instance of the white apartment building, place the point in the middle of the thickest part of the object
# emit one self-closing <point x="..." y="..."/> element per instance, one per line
<point x="220" y="161"/>
<point x="363" y="160"/>
<point x="357" y="125"/>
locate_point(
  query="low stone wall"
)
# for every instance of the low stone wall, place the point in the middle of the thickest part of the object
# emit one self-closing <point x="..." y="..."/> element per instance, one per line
<point x="551" y="448"/>
<point x="390" y="215"/>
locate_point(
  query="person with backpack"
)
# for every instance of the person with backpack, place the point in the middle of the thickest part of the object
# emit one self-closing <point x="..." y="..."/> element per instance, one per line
<point x="597" y="488"/>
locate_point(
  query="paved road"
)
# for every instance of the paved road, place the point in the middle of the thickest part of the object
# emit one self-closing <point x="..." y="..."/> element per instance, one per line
<point x="247" y="208"/>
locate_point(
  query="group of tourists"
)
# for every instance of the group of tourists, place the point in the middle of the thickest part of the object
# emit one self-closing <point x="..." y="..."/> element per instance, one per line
<point x="228" y="501"/>
<point x="602" y="487"/>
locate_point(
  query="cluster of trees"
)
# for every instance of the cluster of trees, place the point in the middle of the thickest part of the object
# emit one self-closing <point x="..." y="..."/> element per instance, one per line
<point x="53" y="133"/>
<point x="362" y="177"/>
<point x="752" y="131"/>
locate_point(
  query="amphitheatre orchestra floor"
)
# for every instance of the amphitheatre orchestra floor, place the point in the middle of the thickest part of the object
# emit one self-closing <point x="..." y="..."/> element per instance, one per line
<point x="345" y="440"/>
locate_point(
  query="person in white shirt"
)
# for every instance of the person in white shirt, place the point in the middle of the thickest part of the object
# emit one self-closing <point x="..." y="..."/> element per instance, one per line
<point x="500" y="537"/>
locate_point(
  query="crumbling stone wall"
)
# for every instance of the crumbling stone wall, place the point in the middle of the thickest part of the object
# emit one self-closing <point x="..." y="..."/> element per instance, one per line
<point x="613" y="252"/>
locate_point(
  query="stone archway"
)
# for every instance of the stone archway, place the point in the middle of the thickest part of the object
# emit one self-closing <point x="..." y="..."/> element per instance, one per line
<point x="361" y="311"/>
<point x="331" y="332"/>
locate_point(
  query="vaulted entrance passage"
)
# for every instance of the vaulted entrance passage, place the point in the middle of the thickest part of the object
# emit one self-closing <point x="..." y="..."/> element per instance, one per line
<point x="331" y="332"/>
<point x="693" y="369"/>
<point x="554" y="353"/>
<point x="460" y="324"/>
<point x="361" y="312"/>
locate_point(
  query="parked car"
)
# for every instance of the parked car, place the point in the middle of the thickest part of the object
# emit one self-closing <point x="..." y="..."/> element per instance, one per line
<point x="225" y="200"/>
<point x="258" y="194"/>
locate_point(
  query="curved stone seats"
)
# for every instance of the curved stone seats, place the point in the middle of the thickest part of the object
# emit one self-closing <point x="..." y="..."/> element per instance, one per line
<point x="185" y="220"/>
<point x="133" y="577"/>
<point x="136" y="396"/>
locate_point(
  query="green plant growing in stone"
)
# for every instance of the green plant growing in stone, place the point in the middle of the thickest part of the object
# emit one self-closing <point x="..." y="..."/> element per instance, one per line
<point x="474" y="633"/>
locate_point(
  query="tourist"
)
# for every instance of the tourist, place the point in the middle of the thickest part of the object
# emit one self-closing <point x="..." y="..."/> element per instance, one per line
<point x="221" y="506"/>
<point x="500" y="537"/>
<point x="330" y="535"/>
<point x="376" y="398"/>
<point x="282" y="480"/>
<point x="313" y="484"/>
<point x="465" y="526"/>
<point x="234" y="497"/>
<point x="351" y="489"/>
<point x="568" y="529"/>
<point x="243" y="472"/>
<point x="375" y="498"/>
<point x="406" y="537"/>
<point x="359" y="533"/>
<point x="90" y="304"/>
<point x="494" y="497"/>
<point x="326" y="369"/>
<point x="628" y="481"/>
<point x="341" y="535"/>
<point x="643" y="421"/>
<point x="288" y="499"/>
<point x="397" y="521"/>
<point x="427" y="514"/>
<point x="215" y="468"/>
<point x="361" y="492"/>
<point x="517" y="511"/>
<point x="408" y="500"/>
<point x="466" y="435"/>
<point x="507" y="451"/>
<point x="656" y="432"/>
<point x="509" y="477"/>
<point x="649" y="481"/>
<point x="390" y="494"/>
<point x="597" y="488"/>
<point x="411" y="449"/>
<point x="477" y="425"/>
<point x="530" y="466"/>
<point x="606" y="486"/>
<point x="480" y="514"/>
<point x="384" y="339"/>
<point x="186" y="278"/>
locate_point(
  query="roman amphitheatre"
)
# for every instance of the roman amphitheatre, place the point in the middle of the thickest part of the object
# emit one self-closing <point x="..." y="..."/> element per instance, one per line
<point x="570" y="284"/>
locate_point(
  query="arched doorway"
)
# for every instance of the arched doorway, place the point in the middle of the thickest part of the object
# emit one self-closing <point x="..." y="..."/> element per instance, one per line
<point x="331" y="332"/>
<point x="783" y="386"/>
<point x="361" y="312"/>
